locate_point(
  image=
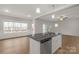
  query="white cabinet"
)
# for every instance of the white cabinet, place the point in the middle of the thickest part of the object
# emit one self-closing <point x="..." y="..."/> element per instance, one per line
<point x="34" y="47"/>
<point x="56" y="43"/>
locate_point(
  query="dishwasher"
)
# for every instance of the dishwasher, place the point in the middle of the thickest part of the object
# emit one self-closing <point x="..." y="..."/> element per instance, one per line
<point x="46" y="46"/>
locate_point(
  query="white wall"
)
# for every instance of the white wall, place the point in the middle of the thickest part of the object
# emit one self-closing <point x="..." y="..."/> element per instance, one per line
<point x="68" y="27"/>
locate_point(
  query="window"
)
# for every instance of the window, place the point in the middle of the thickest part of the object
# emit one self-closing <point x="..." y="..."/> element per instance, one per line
<point x="33" y="29"/>
<point x="44" y="27"/>
<point x="11" y="27"/>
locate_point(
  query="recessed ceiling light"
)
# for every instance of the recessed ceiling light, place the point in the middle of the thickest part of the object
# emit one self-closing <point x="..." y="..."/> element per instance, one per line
<point x="37" y="10"/>
<point x="6" y="10"/>
<point x="56" y="25"/>
<point x="53" y="16"/>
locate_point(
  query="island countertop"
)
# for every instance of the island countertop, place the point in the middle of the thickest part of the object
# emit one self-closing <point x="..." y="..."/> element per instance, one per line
<point x="43" y="37"/>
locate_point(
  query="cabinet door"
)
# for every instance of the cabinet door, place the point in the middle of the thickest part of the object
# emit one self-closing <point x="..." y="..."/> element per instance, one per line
<point x="59" y="41"/>
<point x="56" y="43"/>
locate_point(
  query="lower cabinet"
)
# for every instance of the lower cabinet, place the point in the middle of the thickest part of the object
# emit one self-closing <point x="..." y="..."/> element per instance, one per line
<point x="14" y="46"/>
<point x="56" y="43"/>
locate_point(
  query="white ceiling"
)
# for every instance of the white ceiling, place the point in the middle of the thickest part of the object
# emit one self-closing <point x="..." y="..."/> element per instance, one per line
<point x="70" y="13"/>
<point x="23" y="10"/>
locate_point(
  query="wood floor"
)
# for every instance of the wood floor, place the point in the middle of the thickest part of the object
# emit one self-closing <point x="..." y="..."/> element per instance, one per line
<point x="18" y="45"/>
<point x="70" y="45"/>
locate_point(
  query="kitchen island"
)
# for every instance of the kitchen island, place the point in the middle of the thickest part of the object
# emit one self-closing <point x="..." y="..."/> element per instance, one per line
<point x="45" y="43"/>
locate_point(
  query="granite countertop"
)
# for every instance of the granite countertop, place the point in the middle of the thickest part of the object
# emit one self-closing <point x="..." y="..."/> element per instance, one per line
<point x="43" y="37"/>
